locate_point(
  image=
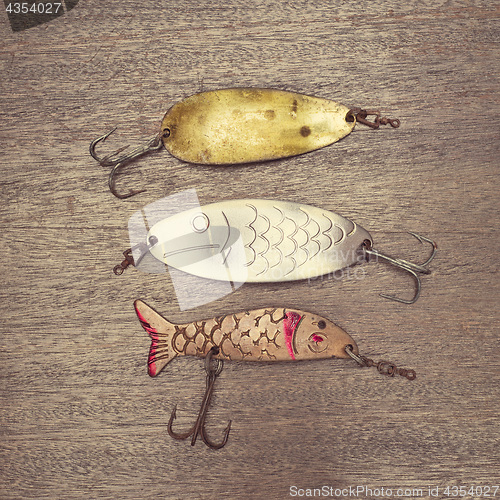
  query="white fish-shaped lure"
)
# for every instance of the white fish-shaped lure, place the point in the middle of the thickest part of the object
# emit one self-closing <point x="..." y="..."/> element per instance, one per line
<point x="257" y="241"/>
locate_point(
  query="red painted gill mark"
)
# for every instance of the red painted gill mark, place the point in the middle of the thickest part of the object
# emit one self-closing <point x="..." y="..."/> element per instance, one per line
<point x="154" y="343"/>
<point x="290" y="322"/>
<point x="317" y="338"/>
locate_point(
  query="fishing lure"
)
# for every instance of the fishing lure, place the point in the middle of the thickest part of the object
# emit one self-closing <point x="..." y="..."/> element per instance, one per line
<point x="254" y="240"/>
<point x="271" y="334"/>
<point x="243" y="125"/>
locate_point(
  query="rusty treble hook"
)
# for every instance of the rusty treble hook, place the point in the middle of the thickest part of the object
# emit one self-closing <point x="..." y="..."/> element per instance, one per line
<point x="198" y="428"/>
<point x="154" y="144"/>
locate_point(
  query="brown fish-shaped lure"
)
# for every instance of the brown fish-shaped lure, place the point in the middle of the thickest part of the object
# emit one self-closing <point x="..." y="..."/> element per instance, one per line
<point x="272" y="334"/>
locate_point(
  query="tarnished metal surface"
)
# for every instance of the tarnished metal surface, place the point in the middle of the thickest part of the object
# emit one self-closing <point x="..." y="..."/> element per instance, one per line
<point x="243" y="125"/>
<point x="272" y="334"/>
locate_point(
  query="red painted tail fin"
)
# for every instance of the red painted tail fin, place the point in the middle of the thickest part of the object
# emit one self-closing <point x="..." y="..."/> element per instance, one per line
<point x="161" y="331"/>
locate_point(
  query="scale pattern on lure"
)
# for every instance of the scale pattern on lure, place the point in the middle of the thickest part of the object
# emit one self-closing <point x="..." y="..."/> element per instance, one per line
<point x="273" y="334"/>
<point x="308" y="238"/>
<point x="257" y="241"/>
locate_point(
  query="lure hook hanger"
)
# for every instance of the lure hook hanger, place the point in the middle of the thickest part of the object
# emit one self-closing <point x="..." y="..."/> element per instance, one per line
<point x="410" y="267"/>
<point x="154" y="144"/>
<point x="383" y="367"/>
<point x="361" y="116"/>
<point x="198" y="428"/>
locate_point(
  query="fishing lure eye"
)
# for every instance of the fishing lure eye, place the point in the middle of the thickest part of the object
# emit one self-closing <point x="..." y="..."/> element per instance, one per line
<point x="321" y="325"/>
<point x="349" y="117"/>
<point x="317" y="343"/>
<point x="200" y="222"/>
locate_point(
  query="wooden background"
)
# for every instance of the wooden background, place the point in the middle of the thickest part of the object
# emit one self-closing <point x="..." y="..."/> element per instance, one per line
<point x="80" y="416"/>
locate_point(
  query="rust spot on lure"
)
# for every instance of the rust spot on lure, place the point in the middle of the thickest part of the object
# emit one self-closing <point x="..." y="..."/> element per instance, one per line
<point x="269" y="114"/>
<point x="305" y="131"/>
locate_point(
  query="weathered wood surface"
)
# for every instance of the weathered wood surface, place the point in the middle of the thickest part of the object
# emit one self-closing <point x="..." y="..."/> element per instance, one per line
<point x="80" y="416"/>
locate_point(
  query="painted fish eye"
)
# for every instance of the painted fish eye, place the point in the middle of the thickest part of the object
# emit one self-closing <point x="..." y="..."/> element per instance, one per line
<point x="321" y="324"/>
<point x="317" y="343"/>
<point x="200" y="222"/>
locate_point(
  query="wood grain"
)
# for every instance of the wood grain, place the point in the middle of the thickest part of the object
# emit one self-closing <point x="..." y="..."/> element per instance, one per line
<point x="80" y="416"/>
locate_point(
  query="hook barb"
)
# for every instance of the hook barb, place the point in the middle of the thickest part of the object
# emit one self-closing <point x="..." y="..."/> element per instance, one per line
<point x="423" y="239"/>
<point x="112" y="188"/>
<point x="198" y="428"/>
<point x="210" y="443"/>
<point x="105" y="162"/>
<point x="409" y="267"/>
<point x="154" y="144"/>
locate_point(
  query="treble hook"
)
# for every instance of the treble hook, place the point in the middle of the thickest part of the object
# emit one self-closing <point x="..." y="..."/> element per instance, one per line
<point x="199" y="427"/>
<point x="410" y="267"/>
<point x="154" y="144"/>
